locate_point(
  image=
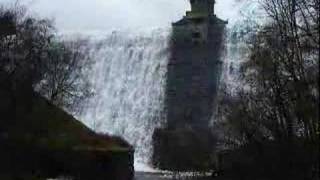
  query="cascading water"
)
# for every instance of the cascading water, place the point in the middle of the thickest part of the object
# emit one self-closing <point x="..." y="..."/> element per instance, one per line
<point x="249" y="17"/>
<point x="128" y="79"/>
<point x="235" y="50"/>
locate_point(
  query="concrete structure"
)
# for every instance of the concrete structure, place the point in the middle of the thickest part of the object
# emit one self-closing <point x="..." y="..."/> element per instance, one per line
<point x="194" y="71"/>
<point x="194" y="67"/>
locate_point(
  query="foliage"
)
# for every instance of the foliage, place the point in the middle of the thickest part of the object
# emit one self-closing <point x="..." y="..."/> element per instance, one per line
<point x="64" y="82"/>
<point x="279" y="96"/>
<point x="272" y="122"/>
<point x="32" y="57"/>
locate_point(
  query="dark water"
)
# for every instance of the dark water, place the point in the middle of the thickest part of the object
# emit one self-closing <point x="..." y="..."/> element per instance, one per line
<point x="154" y="176"/>
<point x="163" y="176"/>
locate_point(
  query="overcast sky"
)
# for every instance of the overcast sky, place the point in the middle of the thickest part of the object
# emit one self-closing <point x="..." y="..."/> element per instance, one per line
<point x="102" y="15"/>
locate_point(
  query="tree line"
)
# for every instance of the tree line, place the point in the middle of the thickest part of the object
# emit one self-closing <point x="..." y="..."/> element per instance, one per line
<point x="275" y="110"/>
<point x="279" y="93"/>
<point x="33" y="58"/>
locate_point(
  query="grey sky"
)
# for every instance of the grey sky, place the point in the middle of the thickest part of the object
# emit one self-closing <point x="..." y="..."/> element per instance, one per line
<point x="101" y="15"/>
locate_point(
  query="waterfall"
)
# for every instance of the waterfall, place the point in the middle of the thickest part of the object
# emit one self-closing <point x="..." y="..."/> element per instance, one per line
<point x="233" y="57"/>
<point x="128" y="78"/>
<point x="249" y="17"/>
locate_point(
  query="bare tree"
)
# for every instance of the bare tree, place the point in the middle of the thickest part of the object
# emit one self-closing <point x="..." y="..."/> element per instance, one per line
<point x="64" y="82"/>
<point x="279" y="98"/>
<point x="22" y="52"/>
<point x="32" y="57"/>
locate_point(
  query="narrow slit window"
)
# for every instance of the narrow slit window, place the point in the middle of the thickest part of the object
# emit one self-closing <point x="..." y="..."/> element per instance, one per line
<point x="196" y="35"/>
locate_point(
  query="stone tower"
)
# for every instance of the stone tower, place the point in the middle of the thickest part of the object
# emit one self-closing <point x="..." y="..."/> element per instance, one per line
<point x="192" y="82"/>
<point x="202" y="7"/>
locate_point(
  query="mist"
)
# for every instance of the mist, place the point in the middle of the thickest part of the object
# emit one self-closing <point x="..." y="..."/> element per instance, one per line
<point x="108" y="15"/>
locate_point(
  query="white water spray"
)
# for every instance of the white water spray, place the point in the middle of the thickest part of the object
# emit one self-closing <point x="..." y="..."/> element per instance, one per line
<point x="249" y="17"/>
<point x="128" y="78"/>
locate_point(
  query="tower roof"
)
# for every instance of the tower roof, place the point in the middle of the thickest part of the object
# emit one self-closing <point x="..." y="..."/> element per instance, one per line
<point x="201" y="8"/>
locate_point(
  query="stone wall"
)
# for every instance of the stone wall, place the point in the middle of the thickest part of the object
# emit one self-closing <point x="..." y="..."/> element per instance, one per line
<point x="193" y="75"/>
<point x="194" y="70"/>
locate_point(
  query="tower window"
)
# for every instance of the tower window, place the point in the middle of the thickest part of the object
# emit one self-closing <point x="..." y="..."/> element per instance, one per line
<point x="196" y="35"/>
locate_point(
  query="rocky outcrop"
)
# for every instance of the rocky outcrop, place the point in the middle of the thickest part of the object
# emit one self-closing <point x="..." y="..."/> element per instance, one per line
<point x="40" y="140"/>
